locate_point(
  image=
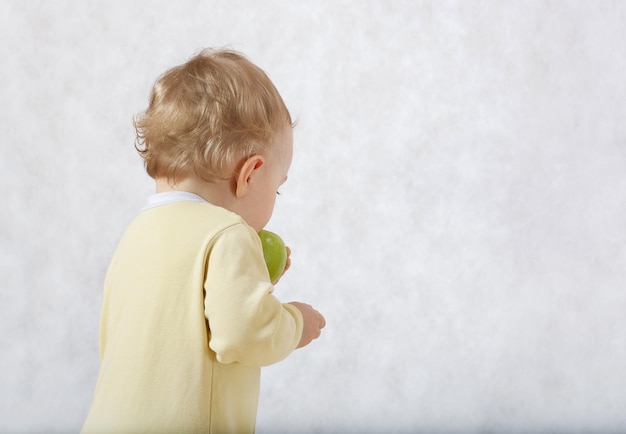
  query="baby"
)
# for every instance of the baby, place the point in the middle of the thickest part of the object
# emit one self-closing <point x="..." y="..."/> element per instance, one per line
<point x="189" y="316"/>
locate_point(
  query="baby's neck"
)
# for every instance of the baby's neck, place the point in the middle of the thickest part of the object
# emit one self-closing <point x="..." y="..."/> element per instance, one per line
<point x="217" y="193"/>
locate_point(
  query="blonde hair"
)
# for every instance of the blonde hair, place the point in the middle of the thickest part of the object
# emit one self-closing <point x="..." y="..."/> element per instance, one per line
<point x="205" y="114"/>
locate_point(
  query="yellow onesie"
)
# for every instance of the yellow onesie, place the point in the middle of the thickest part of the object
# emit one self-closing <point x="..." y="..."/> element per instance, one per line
<point x="188" y="319"/>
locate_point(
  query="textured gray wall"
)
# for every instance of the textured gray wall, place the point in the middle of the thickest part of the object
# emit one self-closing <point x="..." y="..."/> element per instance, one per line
<point x="456" y="205"/>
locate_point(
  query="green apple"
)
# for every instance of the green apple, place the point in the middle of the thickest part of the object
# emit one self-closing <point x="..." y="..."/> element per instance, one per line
<point x="275" y="254"/>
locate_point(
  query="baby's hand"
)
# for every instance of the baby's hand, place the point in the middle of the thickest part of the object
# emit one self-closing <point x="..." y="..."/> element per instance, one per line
<point x="314" y="322"/>
<point x="287" y="264"/>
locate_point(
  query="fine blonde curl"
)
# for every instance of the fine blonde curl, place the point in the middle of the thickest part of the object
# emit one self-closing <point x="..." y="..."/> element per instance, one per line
<point x="206" y="114"/>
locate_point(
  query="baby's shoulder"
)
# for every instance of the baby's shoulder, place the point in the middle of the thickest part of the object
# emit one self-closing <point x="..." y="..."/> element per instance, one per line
<point x="224" y="223"/>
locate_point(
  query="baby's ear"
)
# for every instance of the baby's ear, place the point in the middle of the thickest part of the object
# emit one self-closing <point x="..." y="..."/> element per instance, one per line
<point x="248" y="169"/>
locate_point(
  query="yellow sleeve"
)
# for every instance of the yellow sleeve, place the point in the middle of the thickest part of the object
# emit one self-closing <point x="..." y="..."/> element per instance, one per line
<point x="247" y="323"/>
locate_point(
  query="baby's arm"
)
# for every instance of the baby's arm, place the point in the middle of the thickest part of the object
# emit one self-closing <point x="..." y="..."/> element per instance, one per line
<point x="247" y="323"/>
<point x="313" y="321"/>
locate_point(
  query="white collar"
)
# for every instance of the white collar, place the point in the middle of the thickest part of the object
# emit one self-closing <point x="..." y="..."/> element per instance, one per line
<point x="167" y="197"/>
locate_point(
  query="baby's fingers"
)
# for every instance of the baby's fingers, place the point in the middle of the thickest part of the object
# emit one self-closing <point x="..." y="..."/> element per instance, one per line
<point x="288" y="263"/>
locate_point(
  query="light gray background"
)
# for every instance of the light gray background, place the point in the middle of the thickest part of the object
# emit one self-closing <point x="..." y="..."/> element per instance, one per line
<point x="456" y="205"/>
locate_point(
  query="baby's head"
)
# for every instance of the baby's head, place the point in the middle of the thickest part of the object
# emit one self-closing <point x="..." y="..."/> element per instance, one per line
<point x="207" y="114"/>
